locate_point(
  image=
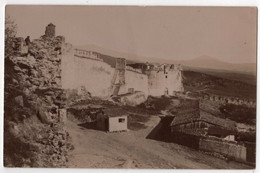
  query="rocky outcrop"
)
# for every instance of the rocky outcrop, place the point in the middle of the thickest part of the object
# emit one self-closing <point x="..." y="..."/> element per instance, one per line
<point x="132" y="99"/>
<point x="34" y="106"/>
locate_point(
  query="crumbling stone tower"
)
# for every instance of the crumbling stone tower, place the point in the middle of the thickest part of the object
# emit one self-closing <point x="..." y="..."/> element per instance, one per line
<point x="50" y="30"/>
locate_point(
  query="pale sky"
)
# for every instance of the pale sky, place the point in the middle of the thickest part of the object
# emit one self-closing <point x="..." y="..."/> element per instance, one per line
<point x="228" y="34"/>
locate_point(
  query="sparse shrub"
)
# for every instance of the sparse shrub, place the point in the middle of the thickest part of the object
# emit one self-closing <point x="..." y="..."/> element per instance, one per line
<point x="10" y="33"/>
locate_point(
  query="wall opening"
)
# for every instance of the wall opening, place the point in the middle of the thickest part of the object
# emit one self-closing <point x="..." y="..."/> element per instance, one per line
<point x="121" y="120"/>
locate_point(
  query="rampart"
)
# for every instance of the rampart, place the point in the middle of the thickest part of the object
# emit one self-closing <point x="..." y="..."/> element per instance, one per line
<point x="87" y="68"/>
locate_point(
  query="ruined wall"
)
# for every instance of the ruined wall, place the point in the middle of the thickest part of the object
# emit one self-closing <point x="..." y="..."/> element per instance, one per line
<point x="160" y="83"/>
<point x="34" y="109"/>
<point x="50" y="30"/>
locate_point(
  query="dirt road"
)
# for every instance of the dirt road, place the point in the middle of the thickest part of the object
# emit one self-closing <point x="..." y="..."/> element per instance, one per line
<point x="98" y="149"/>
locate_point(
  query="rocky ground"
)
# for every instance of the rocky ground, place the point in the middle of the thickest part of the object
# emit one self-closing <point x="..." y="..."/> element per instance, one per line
<point x="34" y="135"/>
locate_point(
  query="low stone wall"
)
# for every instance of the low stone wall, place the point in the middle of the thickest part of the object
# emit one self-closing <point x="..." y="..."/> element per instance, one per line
<point x="239" y="152"/>
<point x="229" y="100"/>
<point x="232" y="150"/>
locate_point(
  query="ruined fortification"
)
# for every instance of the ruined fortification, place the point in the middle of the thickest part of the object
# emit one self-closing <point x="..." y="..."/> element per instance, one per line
<point x="87" y="68"/>
<point x="34" y="110"/>
<point x="50" y="30"/>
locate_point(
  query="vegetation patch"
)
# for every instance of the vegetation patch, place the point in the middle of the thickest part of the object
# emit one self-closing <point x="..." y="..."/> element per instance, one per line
<point x="239" y="113"/>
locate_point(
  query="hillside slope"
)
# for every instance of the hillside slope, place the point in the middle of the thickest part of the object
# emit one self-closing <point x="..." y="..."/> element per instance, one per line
<point x="213" y="63"/>
<point x="201" y="82"/>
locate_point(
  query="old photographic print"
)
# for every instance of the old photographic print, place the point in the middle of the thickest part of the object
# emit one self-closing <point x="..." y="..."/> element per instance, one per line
<point x="130" y="87"/>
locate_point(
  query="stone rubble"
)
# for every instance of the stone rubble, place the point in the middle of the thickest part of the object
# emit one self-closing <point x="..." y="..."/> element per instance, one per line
<point x="33" y="102"/>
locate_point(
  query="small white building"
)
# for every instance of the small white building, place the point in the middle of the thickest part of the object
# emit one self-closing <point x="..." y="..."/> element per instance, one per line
<point x="112" y="120"/>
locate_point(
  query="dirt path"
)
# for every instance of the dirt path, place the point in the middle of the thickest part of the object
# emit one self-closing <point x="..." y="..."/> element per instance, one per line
<point x="97" y="149"/>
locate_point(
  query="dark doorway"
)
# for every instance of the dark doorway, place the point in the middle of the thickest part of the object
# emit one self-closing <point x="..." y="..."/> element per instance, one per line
<point x="106" y="124"/>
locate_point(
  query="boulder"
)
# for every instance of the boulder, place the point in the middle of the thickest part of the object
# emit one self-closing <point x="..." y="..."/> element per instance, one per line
<point x="33" y="73"/>
<point x="17" y="69"/>
<point x="133" y="99"/>
<point x="44" y="116"/>
<point x="13" y="128"/>
<point x="26" y="92"/>
<point x="19" y="100"/>
<point x="14" y="81"/>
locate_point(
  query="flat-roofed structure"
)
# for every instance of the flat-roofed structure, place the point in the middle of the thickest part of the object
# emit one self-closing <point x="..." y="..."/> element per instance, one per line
<point x="112" y="120"/>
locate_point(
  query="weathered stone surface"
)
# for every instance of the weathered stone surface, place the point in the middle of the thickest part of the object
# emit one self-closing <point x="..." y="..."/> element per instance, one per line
<point x="133" y="99"/>
<point x="14" y="81"/>
<point x="19" y="100"/>
<point x="44" y="116"/>
<point x="63" y="115"/>
<point x="33" y="87"/>
<point x="50" y="30"/>
<point x="26" y="92"/>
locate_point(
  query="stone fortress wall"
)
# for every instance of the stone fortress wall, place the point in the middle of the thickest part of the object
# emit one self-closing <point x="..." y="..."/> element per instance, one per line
<point x="87" y="68"/>
<point x="164" y="80"/>
<point x="84" y="68"/>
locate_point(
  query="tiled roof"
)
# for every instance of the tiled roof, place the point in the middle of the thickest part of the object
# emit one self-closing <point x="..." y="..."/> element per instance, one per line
<point x="203" y="116"/>
<point x="226" y="123"/>
<point x="214" y="130"/>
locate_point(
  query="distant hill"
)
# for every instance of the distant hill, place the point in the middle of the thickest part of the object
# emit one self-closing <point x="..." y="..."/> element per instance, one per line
<point x="247" y="77"/>
<point x="213" y="63"/>
<point x="195" y="81"/>
<point x="205" y="61"/>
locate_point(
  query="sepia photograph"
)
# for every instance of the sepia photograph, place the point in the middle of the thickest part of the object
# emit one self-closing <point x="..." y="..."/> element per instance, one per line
<point x="130" y="87"/>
